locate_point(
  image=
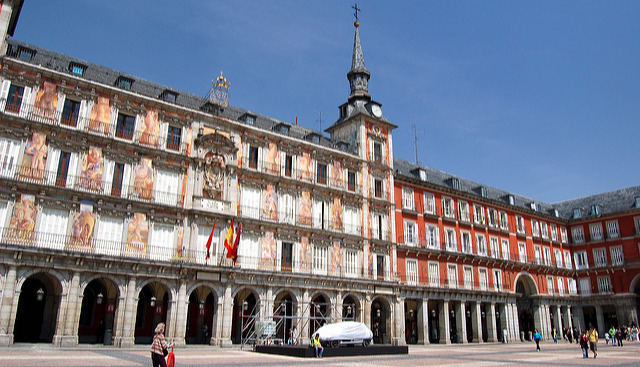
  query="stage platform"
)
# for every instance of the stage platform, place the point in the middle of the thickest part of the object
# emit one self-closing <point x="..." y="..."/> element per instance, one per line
<point x="343" y="351"/>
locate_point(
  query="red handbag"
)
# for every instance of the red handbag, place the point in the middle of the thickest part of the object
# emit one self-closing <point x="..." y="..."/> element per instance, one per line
<point x="171" y="359"/>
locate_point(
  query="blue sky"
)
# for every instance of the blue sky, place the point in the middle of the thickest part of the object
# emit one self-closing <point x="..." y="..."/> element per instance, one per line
<point x="539" y="98"/>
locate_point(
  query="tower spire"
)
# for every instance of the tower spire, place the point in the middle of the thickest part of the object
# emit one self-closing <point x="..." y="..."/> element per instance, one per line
<point x="358" y="76"/>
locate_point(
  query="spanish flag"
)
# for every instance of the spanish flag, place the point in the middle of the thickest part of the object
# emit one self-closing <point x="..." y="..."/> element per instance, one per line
<point x="229" y="244"/>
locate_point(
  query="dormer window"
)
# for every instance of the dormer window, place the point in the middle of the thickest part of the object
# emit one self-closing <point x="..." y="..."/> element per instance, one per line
<point x="343" y="111"/>
<point x="248" y="119"/>
<point x="483" y="191"/>
<point x="637" y="204"/>
<point x="595" y="209"/>
<point x="281" y="128"/>
<point x="124" y="82"/>
<point x="423" y="174"/>
<point x="512" y="199"/>
<point x="313" y="137"/>
<point x="342" y="146"/>
<point x="533" y="206"/>
<point x="77" y="69"/>
<point x="169" y="96"/>
<point x="556" y="213"/>
<point x="25" y="54"/>
<point x="455" y="183"/>
<point x="577" y="213"/>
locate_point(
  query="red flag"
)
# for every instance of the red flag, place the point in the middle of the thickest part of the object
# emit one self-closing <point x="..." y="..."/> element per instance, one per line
<point x="209" y="240"/>
<point x="236" y="243"/>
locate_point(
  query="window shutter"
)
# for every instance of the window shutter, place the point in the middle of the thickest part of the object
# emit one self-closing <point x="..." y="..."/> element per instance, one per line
<point x="283" y="157"/>
<point x="126" y="178"/>
<point x="4" y="92"/>
<point x="107" y="177"/>
<point x="26" y="101"/>
<point x="52" y="164"/>
<point x="71" y="172"/>
<point x="260" y="153"/>
<point x="164" y="135"/>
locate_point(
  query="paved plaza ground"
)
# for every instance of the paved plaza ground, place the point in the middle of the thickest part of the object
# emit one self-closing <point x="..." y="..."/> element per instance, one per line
<point x="467" y="355"/>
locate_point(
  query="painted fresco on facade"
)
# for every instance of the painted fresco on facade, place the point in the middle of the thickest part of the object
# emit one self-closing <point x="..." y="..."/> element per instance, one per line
<point x="336" y="174"/>
<point x="269" y="203"/>
<point x="46" y="103"/>
<point x="305" y="255"/>
<point x="83" y="223"/>
<point x="100" y="116"/>
<point x="336" y="213"/>
<point x="92" y="169"/>
<point x="304" y="167"/>
<point x="150" y="129"/>
<point x="336" y="258"/>
<point x="269" y="250"/>
<point x="271" y="159"/>
<point x="23" y="219"/>
<point x="35" y="157"/>
<point x="304" y="208"/>
<point x="138" y="234"/>
<point x="179" y="242"/>
<point x="143" y="179"/>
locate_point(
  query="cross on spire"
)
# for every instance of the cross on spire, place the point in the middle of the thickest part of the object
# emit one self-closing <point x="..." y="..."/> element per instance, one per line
<point x="356" y="10"/>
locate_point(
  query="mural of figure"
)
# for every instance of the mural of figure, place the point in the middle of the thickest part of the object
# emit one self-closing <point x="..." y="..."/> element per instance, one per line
<point x="269" y="250"/>
<point x="304" y="208"/>
<point x="82" y="230"/>
<point x="150" y="129"/>
<point x="92" y="168"/>
<point x="23" y="220"/>
<point x="46" y="100"/>
<point x="305" y="254"/>
<point x="270" y="203"/>
<point x="271" y="159"/>
<point x="336" y="173"/>
<point x="100" y="116"/>
<point x="143" y="180"/>
<point x="138" y="233"/>
<point x="336" y="213"/>
<point x="35" y="157"/>
<point x="305" y="167"/>
<point x="336" y="258"/>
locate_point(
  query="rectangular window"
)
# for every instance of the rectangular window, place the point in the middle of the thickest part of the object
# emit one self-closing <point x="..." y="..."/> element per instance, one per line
<point x="481" y="244"/>
<point x="351" y="181"/>
<point x="547" y="256"/>
<point x="560" y="285"/>
<point x="377" y="152"/>
<point x="125" y="126"/>
<point x="497" y="279"/>
<point x="70" y="113"/>
<point x="550" y="284"/>
<point x="522" y="251"/>
<point x="495" y="247"/>
<point x="567" y="259"/>
<point x="250" y="202"/>
<point x="544" y="230"/>
<point x="77" y="69"/>
<point x="478" y="214"/>
<point x="581" y="260"/>
<point x="351" y="263"/>
<point x="117" y="179"/>
<point x="286" y="257"/>
<point x="493" y="217"/>
<point x="636" y="221"/>
<point x="467" y="248"/>
<point x="554" y="232"/>
<point x="448" y="208"/>
<point x="377" y="188"/>
<point x="9" y="152"/>
<point x="433" y="237"/>
<point x="452" y="275"/>
<point x="429" y="203"/>
<point x="617" y="256"/>
<point x="162" y="242"/>
<point x="410" y="233"/>
<point x="408" y="201"/>
<point x="109" y="235"/>
<point x="253" y="157"/>
<point x="288" y="165"/>
<point x="286" y="208"/>
<point x="577" y="234"/>
<point x="412" y="271"/>
<point x="520" y="225"/>
<point x="463" y="208"/>
<point x="52" y="227"/>
<point x="535" y="229"/>
<point x="595" y="230"/>
<point x="612" y="229"/>
<point x="352" y="220"/>
<point x="558" y="255"/>
<point x="450" y="239"/>
<point x="14" y="99"/>
<point x="571" y="285"/>
<point x="504" y="221"/>
<point x="506" y="252"/>
<point x="434" y="274"/>
<point x="537" y="252"/>
<point x="468" y="277"/>
<point x="381" y="266"/>
<point x="320" y="260"/>
<point x="585" y="286"/>
<point x="63" y="168"/>
<point x="604" y="284"/>
<point x="600" y="257"/>
<point x="483" y="278"/>
<point x="165" y="189"/>
<point x="321" y="174"/>
<point x="563" y="235"/>
<point x="174" y="136"/>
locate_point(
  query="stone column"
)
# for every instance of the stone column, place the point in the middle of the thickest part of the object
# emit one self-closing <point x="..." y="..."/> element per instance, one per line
<point x="559" y="322"/>
<point x="445" y="335"/>
<point x="306" y="313"/>
<point x="476" y="321"/>
<point x="217" y="339"/>
<point x="600" y="320"/>
<point x="398" y="337"/>
<point x="338" y="311"/>
<point x="71" y="313"/>
<point x="367" y="311"/>
<point x="490" y="319"/>
<point x="227" y="318"/>
<point x="461" y="322"/>
<point x="538" y="317"/>
<point x="118" y="323"/>
<point x="182" y="306"/>
<point x="6" y="303"/>
<point x="504" y="323"/>
<point x="567" y="317"/>
<point x="130" y="306"/>
<point x="578" y="318"/>
<point x="423" y="321"/>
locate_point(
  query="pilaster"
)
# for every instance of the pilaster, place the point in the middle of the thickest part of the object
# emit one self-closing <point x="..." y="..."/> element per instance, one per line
<point x="445" y="334"/>
<point x="423" y="322"/>
<point x="6" y="303"/>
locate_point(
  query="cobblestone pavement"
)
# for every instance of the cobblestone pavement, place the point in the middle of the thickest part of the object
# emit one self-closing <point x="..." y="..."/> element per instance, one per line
<point x="475" y="355"/>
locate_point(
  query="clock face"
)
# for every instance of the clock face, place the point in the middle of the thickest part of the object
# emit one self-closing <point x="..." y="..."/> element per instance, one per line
<point x="376" y="110"/>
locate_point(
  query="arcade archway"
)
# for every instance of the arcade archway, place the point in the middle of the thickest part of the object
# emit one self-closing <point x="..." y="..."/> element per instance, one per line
<point x="201" y="314"/>
<point x="97" y="313"/>
<point x="37" y="312"/>
<point x="525" y="289"/>
<point x="153" y="306"/>
<point x="245" y="310"/>
<point x="350" y="309"/>
<point x="380" y="321"/>
<point x="319" y="312"/>
<point x="284" y="312"/>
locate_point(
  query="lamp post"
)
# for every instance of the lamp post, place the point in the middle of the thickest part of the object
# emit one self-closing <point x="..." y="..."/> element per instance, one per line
<point x="99" y="298"/>
<point x="39" y="294"/>
<point x="153" y="301"/>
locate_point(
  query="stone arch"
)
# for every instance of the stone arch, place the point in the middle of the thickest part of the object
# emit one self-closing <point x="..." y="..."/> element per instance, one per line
<point x="531" y="288"/>
<point x="99" y="297"/>
<point x="285" y="312"/>
<point x="321" y="311"/>
<point x="351" y="307"/>
<point x="381" y="319"/>
<point x="39" y="298"/>
<point x="154" y="300"/>
<point x="634" y="287"/>
<point x="246" y="309"/>
<point x="202" y="313"/>
<point x="525" y="288"/>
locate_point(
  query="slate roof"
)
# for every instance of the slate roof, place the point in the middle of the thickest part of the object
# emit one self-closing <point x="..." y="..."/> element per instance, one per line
<point x="610" y="202"/>
<point x="97" y="73"/>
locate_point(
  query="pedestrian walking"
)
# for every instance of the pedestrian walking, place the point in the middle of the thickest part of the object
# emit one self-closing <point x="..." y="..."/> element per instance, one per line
<point x="537" y="337"/>
<point x="159" y="347"/>
<point x="619" y="336"/>
<point x="584" y="345"/>
<point x="505" y="336"/>
<point x="593" y="340"/>
<point x="555" y="336"/>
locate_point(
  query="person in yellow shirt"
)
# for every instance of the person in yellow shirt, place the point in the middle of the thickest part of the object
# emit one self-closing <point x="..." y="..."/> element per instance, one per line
<point x="317" y="345"/>
<point x="593" y="340"/>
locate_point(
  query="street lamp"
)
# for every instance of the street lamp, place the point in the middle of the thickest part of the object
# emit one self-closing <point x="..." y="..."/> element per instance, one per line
<point x="40" y="294"/>
<point x="153" y="301"/>
<point x="201" y="305"/>
<point x="411" y="313"/>
<point x="99" y="298"/>
<point x="433" y="313"/>
<point x="245" y="305"/>
<point x="452" y="313"/>
<point x="378" y="312"/>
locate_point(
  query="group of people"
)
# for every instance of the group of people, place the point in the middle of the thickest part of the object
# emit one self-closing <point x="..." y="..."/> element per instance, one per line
<point x="619" y="334"/>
